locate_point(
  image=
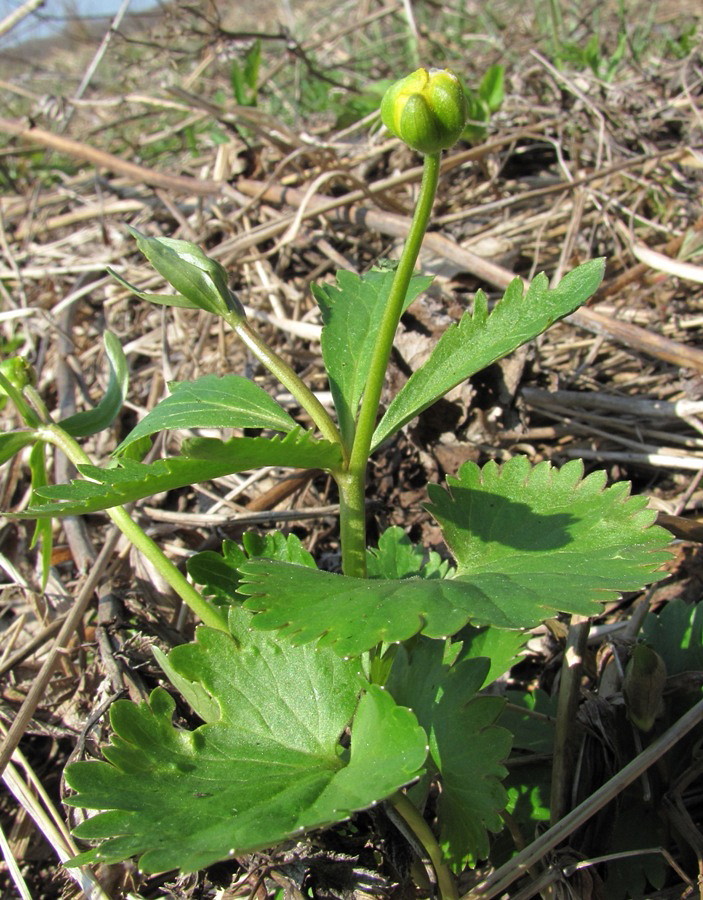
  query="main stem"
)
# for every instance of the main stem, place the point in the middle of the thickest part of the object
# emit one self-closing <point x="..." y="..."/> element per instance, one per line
<point x="207" y="614"/>
<point x="352" y="483"/>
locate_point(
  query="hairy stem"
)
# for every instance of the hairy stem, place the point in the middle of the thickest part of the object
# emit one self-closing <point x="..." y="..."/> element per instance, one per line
<point x="207" y="613"/>
<point x="352" y="486"/>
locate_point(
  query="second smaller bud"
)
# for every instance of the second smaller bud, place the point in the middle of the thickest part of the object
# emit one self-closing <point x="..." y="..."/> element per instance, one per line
<point x="427" y="110"/>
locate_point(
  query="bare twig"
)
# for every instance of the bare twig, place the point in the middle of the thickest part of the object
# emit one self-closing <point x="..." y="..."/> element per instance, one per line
<point x="36" y="692"/>
<point x="503" y="877"/>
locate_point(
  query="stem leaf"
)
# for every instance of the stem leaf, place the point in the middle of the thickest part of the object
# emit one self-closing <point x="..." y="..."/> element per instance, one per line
<point x="90" y="421"/>
<point x="159" y="299"/>
<point x="230" y="401"/>
<point x="43" y="533"/>
<point x="480" y="339"/>
<point x="352" y="311"/>
<point x="194" y="275"/>
<point x="12" y="442"/>
<point x="203" y="459"/>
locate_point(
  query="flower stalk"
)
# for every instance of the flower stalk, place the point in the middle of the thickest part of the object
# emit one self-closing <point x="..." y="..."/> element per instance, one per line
<point x="352" y="484"/>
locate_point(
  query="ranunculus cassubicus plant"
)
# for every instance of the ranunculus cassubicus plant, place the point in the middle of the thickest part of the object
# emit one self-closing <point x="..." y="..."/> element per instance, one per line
<point x="322" y="694"/>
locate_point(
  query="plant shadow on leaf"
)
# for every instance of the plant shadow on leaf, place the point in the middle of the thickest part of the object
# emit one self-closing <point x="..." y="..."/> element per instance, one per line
<point x="508" y="522"/>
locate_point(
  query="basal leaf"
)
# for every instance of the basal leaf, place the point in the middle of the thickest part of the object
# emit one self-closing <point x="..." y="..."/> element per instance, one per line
<point x="418" y="673"/>
<point x="676" y="633"/>
<point x="530" y="716"/>
<point x="500" y="645"/>
<point x="397" y="557"/>
<point x="629" y="874"/>
<point x="480" y="339"/>
<point x="203" y="459"/>
<point x="90" y="421"/>
<point x="528" y="542"/>
<point x="275" y="545"/>
<point x="465" y="745"/>
<point x="219" y="572"/>
<point x="267" y="768"/>
<point x="471" y="767"/>
<point x="352" y="311"/>
<point x="355" y="614"/>
<point x="550" y="525"/>
<point x="491" y="88"/>
<point x="230" y="401"/>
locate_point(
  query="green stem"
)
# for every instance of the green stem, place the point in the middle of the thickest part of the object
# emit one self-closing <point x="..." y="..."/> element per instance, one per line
<point x="352" y="523"/>
<point x="352" y="487"/>
<point x="32" y="394"/>
<point x="29" y="415"/>
<point x="446" y="885"/>
<point x="290" y="380"/>
<point x="207" y="614"/>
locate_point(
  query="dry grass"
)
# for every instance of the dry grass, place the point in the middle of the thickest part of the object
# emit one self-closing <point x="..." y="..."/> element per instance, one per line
<point x="572" y="167"/>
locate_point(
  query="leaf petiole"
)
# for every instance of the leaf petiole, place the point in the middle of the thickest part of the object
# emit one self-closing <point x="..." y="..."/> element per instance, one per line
<point x="207" y="614"/>
<point x="290" y="380"/>
<point x="446" y="885"/>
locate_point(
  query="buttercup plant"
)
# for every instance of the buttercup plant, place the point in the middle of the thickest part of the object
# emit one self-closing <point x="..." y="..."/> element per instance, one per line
<point x="396" y="648"/>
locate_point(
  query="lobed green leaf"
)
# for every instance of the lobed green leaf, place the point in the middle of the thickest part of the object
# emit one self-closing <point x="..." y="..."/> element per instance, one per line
<point x="265" y="766"/>
<point x="465" y="745"/>
<point x="480" y="339"/>
<point x="397" y="557"/>
<point x="355" y="614"/>
<point x="528" y="541"/>
<point x="219" y="572"/>
<point x="547" y="523"/>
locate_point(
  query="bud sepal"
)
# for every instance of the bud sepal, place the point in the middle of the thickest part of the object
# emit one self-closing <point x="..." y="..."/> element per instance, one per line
<point x="427" y="110"/>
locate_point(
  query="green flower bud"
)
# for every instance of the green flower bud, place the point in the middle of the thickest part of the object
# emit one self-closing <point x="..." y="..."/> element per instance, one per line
<point x="19" y="373"/>
<point x="200" y="281"/>
<point x="427" y="110"/>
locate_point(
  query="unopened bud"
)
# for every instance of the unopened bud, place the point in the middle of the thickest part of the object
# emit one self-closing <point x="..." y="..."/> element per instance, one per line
<point x="18" y="372"/>
<point x="199" y="280"/>
<point x="427" y="110"/>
